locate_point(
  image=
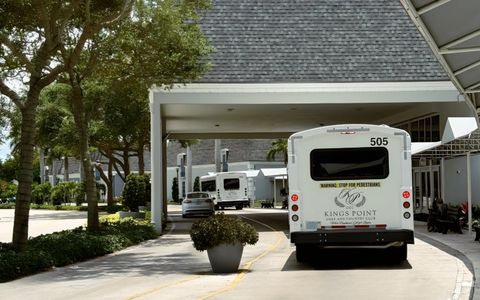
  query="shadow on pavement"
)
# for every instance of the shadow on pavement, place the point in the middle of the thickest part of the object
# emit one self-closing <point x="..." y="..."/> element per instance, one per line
<point x="149" y="261"/>
<point x="345" y="259"/>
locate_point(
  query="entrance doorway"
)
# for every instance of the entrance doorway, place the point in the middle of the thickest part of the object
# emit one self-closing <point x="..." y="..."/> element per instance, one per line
<point x="426" y="187"/>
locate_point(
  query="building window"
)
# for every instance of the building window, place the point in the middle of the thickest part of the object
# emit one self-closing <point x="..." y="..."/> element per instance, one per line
<point x="423" y="130"/>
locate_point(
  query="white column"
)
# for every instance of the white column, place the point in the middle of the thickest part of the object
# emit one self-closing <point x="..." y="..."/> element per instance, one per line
<point x="274" y="192"/>
<point x="156" y="163"/>
<point x="217" y="155"/>
<point x="442" y="178"/>
<point x="469" y="193"/>
<point x="188" y="173"/>
<point x="432" y="184"/>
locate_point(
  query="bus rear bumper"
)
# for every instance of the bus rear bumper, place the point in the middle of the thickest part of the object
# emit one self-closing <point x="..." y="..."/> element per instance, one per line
<point x="352" y="237"/>
<point x="243" y="203"/>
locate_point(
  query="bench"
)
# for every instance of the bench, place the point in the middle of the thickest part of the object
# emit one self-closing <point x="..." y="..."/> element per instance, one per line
<point x="267" y="203"/>
<point x="449" y="220"/>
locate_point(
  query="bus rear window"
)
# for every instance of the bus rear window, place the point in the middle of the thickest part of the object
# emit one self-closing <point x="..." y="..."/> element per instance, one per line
<point x="349" y="163"/>
<point x="231" y="184"/>
<point x="208" y="186"/>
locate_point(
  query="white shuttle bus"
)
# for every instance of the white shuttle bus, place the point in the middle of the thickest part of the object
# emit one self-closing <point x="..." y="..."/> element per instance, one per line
<point x="350" y="186"/>
<point x="227" y="189"/>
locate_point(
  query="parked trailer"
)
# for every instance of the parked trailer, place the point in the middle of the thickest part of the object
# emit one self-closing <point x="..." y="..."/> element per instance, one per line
<point x="228" y="189"/>
<point x="350" y="186"/>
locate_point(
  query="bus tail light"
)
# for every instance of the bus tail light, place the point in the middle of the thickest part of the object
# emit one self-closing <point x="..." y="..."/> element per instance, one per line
<point x="406" y="215"/>
<point x="294" y="207"/>
<point x="406" y="204"/>
<point x="294" y="218"/>
<point x="294" y="197"/>
<point x="406" y="194"/>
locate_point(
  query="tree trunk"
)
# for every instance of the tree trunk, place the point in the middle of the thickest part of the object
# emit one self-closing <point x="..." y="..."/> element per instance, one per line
<point x="126" y="161"/>
<point x="25" y="176"/>
<point x="110" y="182"/>
<point x="65" y="170"/>
<point x="141" y="161"/>
<point x="42" y="166"/>
<point x="81" y="125"/>
<point x="108" y="179"/>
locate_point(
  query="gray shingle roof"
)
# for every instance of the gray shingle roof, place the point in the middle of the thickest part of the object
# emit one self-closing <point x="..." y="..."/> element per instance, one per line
<point x="316" y="41"/>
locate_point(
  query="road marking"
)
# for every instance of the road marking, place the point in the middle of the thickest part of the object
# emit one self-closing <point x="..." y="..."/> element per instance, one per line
<point x="246" y="267"/>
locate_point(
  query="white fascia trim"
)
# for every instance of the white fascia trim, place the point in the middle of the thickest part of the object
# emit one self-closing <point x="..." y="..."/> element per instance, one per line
<point x="308" y="93"/>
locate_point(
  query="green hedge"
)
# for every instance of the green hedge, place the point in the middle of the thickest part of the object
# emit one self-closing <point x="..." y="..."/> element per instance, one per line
<point x="71" y="246"/>
<point x="109" y="209"/>
<point x="136" y="191"/>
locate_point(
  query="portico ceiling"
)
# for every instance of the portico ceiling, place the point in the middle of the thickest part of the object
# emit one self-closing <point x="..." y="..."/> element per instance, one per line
<point x="277" y="110"/>
<point x="452" y="29"/>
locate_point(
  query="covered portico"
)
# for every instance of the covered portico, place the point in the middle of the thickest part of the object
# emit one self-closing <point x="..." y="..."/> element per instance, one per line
<point x="274" y="110"/>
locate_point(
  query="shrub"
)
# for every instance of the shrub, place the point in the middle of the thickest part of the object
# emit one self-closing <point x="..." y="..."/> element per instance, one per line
<point x="7" y="190"/>
<point x="7" y="205"/>
<point x="59" y="207"/>
<point x="41" y="193"/>
<point x="221" y="229"/>
<point x="65" y="192"/>
<point x="136" y="191"/>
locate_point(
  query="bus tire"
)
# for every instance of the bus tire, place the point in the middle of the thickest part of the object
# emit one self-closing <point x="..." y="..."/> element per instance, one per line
<point x="239" y="207"/>
<point x="399" y="253"/>
<point x="217" y="207"/>
<point x="303" y="253"/>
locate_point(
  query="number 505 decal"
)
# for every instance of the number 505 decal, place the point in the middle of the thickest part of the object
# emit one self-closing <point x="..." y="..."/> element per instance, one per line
<point x="379" y="141"/>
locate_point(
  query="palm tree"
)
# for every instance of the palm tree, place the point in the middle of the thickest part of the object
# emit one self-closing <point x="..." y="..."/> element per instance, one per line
<point x="278" y="146"/>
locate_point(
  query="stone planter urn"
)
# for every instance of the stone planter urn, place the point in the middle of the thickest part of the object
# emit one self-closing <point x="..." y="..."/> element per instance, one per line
<point x="223" y="237"/>
<point x="225" y="258"/>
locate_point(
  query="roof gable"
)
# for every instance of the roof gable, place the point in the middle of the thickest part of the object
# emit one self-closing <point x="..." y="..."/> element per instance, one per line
<point x="316" y="41"/>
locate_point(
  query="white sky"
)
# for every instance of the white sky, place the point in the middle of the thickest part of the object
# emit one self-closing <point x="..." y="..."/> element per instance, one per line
<point x="4" y="150"/>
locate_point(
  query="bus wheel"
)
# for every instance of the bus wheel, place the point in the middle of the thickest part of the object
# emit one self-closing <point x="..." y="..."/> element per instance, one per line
<point x="303" y="252"/>
<point x="399" y="253"/>
<point x="238" y="207"/>
<point x="217" y="207"/>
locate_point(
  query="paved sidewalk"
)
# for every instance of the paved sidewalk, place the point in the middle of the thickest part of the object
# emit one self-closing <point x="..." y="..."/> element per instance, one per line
<point x="169" y="268"/>
<point x="462" y="246"/>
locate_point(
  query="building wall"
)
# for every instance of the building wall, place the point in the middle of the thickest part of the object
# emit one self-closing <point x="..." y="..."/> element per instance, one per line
<point x="456" y="179"/>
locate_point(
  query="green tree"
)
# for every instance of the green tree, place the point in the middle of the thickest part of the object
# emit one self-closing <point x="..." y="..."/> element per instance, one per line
<point x="41" y="193"/>
<point x="9" y="169"/>
<point x="136" y="191"/>
<point x="162" y="45"/>
<point x="38" y="41"/>
<point x="196" y="184"/>
<point x="7" y="189"/>
<point x="175" y="189"/>
<point x="279" y="146"/>
<point x="56" y="133"/>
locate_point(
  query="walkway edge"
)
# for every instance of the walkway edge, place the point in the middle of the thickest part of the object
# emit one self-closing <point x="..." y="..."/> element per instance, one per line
<point x="454" y="252"/>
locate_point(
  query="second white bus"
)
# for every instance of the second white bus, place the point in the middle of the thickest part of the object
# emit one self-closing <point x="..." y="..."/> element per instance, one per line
<point x="228" y="189"/>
